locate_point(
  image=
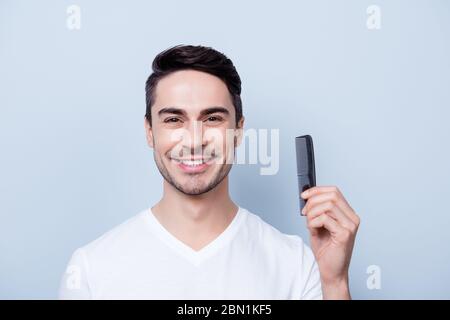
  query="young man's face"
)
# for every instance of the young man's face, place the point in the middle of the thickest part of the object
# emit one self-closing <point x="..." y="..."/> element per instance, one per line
<point x="191" y="117"/>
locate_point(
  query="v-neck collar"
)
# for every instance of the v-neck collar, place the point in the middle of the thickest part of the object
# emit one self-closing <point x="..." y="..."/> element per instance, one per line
<point x="195" y="257"/>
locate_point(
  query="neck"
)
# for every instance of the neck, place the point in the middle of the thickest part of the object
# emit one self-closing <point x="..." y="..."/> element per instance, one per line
<point x="196" y="219"/>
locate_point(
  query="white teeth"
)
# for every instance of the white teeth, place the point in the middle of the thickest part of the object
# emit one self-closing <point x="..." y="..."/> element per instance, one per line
<point x="189" y="162"/>
<point x="192" y="163"/>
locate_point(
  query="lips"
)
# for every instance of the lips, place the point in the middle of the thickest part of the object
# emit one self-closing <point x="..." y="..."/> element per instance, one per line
<point x="193" y="165"/>
<point x="193" y="161"/>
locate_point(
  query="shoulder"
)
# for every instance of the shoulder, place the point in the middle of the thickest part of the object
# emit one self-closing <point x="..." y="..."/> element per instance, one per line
<point x="274" y="240"/>
<point x="286" y="255"/>
<point x="119" y="238"/>
<point x="88" y="262"/>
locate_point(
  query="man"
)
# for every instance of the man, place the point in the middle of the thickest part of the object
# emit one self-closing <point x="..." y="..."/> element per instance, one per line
<point x="196" y="243"/>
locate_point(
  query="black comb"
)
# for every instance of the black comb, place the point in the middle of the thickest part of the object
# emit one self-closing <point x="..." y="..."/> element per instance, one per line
<point x="306" y="172"/>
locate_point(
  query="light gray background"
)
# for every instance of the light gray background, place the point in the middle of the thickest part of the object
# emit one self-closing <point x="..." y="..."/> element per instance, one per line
<point x="74" y="162"/>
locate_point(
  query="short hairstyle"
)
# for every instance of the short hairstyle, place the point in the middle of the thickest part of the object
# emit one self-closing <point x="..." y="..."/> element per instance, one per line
<point x="200" y="58"/>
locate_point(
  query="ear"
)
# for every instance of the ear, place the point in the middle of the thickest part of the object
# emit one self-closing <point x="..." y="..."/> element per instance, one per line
<point x="148" y="132"/>
<point x="239" y="133"/>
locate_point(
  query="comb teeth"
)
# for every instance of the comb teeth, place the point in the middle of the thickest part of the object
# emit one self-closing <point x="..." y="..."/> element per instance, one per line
<point x="305" y="154"/>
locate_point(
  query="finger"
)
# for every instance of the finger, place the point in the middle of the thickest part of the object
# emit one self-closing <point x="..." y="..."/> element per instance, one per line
<point x="340" y="199"/>
<point x="325" y="221"/>
<point x="316" y="190"/>
<point x="334" y="197"/>
<point x="335" y="212"/>
<point x="318" y="198"/>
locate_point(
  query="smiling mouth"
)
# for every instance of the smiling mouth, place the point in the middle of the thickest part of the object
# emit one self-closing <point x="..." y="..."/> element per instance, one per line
<point x="193" y="162"/>
<point x="193" y="166"/>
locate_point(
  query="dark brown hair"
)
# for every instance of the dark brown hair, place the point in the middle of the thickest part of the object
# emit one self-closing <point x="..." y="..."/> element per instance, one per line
<point x="198" y="58"/>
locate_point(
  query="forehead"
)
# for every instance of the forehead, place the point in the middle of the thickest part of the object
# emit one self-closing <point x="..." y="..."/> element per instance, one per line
<point x="191" y="90"/>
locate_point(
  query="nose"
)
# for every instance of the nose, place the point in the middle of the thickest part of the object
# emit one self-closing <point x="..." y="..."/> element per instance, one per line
<point x="193" y="139"/>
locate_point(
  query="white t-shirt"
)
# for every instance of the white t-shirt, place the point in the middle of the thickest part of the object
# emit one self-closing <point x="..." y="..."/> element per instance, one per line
<point x="140" y="259"/>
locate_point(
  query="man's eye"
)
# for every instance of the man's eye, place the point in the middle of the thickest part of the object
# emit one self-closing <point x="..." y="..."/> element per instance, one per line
<point x="214" y="118"/>
<point x="171" y="120"/>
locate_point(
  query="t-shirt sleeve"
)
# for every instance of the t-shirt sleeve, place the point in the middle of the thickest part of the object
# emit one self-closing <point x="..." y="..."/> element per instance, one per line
<point x="74" y="282"/>
<point x="313" y="288"/>
<point x="310" y="287"/>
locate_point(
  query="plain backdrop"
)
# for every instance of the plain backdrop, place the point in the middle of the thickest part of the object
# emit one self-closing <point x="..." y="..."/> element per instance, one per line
<point x="74" y="161"/>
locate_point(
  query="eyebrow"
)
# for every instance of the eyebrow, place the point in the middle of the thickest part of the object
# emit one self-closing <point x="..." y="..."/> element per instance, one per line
<point x="204" y="112"/>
